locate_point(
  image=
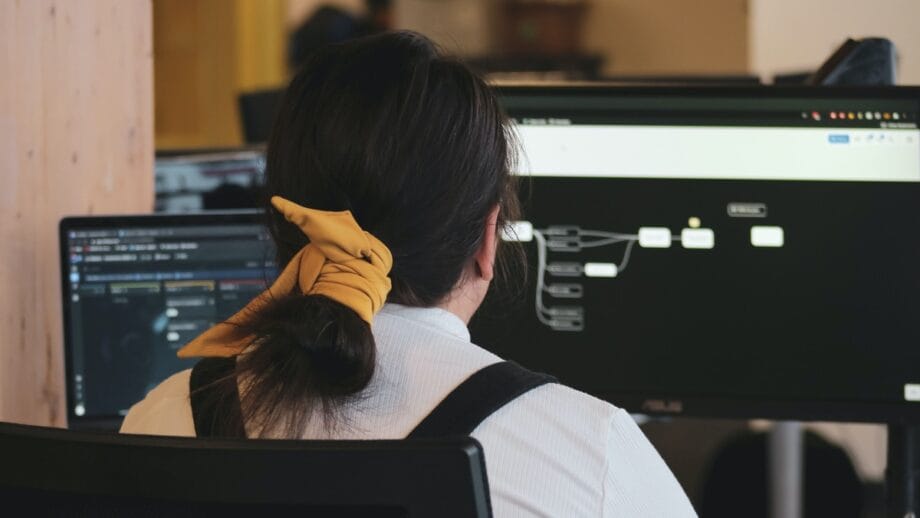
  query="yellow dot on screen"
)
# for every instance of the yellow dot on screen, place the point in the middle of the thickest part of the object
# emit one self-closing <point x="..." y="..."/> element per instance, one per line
<point x="694" y="222"/>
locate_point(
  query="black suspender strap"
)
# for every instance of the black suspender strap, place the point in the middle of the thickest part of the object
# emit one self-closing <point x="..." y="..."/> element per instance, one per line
<point x="216" y="407"/>
<point x="477" y="398"/>
<point x="215" y="398"/>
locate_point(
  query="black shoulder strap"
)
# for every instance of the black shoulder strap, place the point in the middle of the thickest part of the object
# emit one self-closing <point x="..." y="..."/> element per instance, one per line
<point x="214" y="402"/>
<point x="477" y="398"/>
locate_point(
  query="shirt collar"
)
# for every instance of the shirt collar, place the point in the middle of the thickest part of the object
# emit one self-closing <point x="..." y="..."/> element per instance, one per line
<point x="436" y="318"/>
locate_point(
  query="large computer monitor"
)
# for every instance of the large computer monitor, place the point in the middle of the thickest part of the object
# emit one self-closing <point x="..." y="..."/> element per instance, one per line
<point x="137" y="288"/>
<point x="736" y="252"/>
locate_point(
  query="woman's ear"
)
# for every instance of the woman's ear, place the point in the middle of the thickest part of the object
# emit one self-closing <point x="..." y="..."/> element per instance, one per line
<point x="485" y="256"/>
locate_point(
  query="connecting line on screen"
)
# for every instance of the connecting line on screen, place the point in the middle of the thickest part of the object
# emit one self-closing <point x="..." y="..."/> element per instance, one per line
<point x="542" y="310"/>
<point x="572" y="240"/>
<point x="611" y="238"/>
<point x="568" y="276"/>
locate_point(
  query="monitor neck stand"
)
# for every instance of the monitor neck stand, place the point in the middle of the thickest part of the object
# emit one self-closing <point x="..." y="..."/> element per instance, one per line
<point x="902" y="475"/>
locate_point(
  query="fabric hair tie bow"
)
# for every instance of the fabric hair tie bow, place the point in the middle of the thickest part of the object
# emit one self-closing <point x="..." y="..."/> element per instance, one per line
<point x="341" y="262"/>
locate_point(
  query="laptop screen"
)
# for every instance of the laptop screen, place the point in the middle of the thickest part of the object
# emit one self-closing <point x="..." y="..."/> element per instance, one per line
<point x="138" y="288"/>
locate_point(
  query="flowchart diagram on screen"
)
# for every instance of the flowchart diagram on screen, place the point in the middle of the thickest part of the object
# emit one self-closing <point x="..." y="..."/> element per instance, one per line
<point x="562" y="278"/>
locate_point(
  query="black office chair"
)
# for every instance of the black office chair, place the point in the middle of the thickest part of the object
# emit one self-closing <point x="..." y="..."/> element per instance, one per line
<point x="257" y="113"/>
<point x="865" y="62"/>
<point x="52" y="472"/>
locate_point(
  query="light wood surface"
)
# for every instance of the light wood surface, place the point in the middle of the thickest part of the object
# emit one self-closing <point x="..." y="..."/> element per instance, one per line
<point x="208" y="52"/>
<point x="670" y="36"/>
<point x="76" y="137"/>
<point x="635" y="37"/>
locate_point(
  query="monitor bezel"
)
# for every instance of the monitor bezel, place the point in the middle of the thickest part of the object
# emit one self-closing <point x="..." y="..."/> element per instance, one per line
<point x="70" y="223"/>
<point x="676" y="405"/>
<point x="716" y="91"/>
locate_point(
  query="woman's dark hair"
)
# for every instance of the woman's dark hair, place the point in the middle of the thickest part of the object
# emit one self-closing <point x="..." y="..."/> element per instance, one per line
<point x="416" y="146"/>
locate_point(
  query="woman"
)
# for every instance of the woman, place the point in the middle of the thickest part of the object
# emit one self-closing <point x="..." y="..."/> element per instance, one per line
<point x="392" y="162"/>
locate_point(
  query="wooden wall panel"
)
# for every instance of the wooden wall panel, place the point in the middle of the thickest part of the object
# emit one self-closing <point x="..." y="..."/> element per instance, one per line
<point x="635" y="36"/>
<point x="670" y="36"/>
<point x="76" y="137"/>
<point x="195" y="74"/>
<point x="206" y="53"/>
<point x="261" y="43"/>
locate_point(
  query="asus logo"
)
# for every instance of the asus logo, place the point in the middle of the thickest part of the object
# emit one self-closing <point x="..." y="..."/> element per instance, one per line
<point x="663" y="406"/>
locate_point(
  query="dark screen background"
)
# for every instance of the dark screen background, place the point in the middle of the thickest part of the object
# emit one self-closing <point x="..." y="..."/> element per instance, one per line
<point x="832" y="315"/>
<point x="125" y="349"/>
<point x="123" y="312"/>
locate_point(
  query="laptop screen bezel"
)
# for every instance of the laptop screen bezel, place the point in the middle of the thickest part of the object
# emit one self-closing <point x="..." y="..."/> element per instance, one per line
<point x="72" y="223"/>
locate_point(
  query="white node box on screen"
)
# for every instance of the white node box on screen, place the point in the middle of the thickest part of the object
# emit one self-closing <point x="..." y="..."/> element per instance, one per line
<point x="565" y="269"/>
<point x="606" y="270"/>
<point x="655" y="237"/>
<point x="518" y="231"/>
<point x="698" y="238"/>
<point x="767" y="237"/>
<point x="911" y="392"/>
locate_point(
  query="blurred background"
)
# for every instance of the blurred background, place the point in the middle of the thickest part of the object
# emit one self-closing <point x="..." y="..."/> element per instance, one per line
<point x="220" y="67"/>
<point x="213" y="58"/>
<point x="217" y="68"/>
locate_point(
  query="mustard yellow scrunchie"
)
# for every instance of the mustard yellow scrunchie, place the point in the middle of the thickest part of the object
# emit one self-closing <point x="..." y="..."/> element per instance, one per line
<point x="341" y="262"/>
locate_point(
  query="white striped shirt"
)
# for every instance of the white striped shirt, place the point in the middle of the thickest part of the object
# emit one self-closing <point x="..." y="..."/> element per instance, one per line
<point x="552" y="452"/>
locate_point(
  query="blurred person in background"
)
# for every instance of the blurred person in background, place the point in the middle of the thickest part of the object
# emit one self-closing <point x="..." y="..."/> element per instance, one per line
<point x="330" y="24"/>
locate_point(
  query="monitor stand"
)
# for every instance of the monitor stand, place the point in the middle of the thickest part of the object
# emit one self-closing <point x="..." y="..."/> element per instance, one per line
<point x="785" y="459"/>
<point x="902" y="475"/>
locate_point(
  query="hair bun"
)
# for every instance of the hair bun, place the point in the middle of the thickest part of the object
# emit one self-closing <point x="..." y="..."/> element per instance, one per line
<point x="307" y="346"/>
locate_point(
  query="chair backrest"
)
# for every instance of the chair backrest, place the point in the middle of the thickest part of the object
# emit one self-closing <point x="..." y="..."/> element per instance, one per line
<point x="66" y="473"/>
<point x="864" y="62"/>
<point x="257" y="113"/>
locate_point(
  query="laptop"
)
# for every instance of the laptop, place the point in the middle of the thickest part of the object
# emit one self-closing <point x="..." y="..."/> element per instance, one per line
<point x="138" y="288"/>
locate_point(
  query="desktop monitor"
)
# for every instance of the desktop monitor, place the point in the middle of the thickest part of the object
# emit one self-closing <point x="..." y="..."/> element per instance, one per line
<point x="733" y="252"/>
<point x="196" y="180"/>
<point x="137" y="288"/>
